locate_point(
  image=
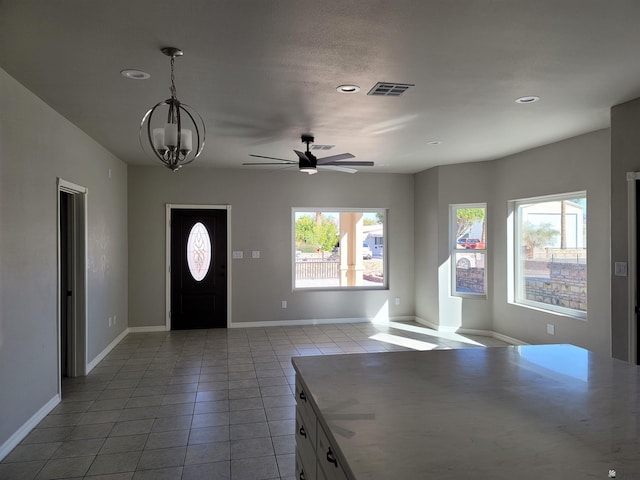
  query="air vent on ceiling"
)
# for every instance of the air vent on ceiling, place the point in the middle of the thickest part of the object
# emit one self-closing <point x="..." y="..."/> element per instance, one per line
<point x="321" y="147"/>
<point x="386" y="89"/>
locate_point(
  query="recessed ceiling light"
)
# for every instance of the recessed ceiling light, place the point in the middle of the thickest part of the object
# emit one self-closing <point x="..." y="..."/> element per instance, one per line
<point x="348" y="89"/>
<point x="527" y="99"/>
<point x="434" y="142"/>
<point x="135" y="74"/>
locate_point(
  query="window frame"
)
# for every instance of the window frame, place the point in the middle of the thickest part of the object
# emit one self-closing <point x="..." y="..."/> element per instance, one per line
<point x="453" y="250"/>
<point x="338" y="288"/>
<point x="517" y="282"/>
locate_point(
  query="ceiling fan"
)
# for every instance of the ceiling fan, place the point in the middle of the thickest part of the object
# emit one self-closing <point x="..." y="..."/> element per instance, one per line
<point x="308" y="163"/>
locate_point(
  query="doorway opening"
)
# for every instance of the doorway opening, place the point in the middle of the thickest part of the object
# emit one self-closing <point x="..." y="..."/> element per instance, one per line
<point x="633" y="247"/>
<point x="72" y="288"/>
<point x="198" y="277"/>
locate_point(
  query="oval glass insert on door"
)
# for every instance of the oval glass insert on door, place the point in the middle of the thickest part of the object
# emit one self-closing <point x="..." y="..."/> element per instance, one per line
<point x="199" y="251"/>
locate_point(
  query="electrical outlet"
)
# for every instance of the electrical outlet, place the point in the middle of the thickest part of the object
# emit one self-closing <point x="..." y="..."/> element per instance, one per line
<point x="397" y="300"/>
<point x="284" y="304"/>
<point x="115" y="319"/>
<point x="255" y="254"/>
<point x="237" y="254"/>
<point x="110" y="321"/>
<point x="551" y="329"/>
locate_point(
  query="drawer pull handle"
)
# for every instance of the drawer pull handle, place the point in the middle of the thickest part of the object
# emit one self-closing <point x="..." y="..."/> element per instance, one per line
<point x="303" y="396"/>
<point x="302" y="432"/>
<point x="331" y="458"/>
<point x="301" y="476"/>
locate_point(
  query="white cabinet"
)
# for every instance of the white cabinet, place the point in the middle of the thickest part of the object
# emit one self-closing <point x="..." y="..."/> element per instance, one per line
<point x="305" y="449"/>
<point x="327" y="460"/>
<point x="315" y="456"/>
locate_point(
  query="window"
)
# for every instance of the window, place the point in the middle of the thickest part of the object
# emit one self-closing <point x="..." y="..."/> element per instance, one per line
<point x="550" y="253"/>
<point x="339" y="248"/>
<point x="198" y="251"/>
<point x="469" y="250"/>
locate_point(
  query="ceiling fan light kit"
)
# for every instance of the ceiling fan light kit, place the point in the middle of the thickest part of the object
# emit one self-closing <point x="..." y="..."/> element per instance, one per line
<point x="177" y="137"/>
<point x="309" y="163"/>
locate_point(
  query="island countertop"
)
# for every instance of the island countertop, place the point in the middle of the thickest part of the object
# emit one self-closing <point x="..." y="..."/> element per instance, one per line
<point x="526" y="412"/>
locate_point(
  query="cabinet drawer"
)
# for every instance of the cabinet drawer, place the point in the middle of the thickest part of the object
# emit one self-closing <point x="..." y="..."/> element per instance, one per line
<point x="302" y="473"/>
<point x="306" y="413"/>
<point x="327" y="460"/>
<point x="305" y="449"/>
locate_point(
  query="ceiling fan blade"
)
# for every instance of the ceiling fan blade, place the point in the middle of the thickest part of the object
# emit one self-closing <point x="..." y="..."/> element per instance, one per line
<point x="333" y="158"/>
<point x="349" y="164"/>
<point x="302" y="156"/>
<point x="270" y="163"/>
<point x="337" y="169"/>
<point x="272" y="158"/>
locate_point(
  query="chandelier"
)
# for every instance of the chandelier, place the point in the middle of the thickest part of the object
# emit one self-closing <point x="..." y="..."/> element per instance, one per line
<point x="176" y="138"/>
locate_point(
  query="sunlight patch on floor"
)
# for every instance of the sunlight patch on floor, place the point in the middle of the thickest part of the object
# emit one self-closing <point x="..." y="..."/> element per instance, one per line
<point x="433" y="333"/>
<point x="403" y="341"/>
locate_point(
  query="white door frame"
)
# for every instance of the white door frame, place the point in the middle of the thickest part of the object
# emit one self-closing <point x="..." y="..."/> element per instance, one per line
<point x="79" y="330"/>
<point x="169" y="207"/>
<point x="632" y="272"/>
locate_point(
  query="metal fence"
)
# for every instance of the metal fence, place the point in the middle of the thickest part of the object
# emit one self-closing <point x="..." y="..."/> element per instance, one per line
<point x="317" y="270"/>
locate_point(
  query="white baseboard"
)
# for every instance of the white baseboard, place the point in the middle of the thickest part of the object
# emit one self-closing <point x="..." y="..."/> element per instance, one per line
<point x="155" y="328"/>
<point x="29" y="425"/>
<point x="505" y="338"/>
<point x="426" y="323"/>
<point x="299" y="322"/>
<point x="92" y="364"/>
<point x="470" y="331"/>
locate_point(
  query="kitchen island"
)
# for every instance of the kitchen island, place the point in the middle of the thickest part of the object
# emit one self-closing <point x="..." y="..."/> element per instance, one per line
<point x="525" y="412"/>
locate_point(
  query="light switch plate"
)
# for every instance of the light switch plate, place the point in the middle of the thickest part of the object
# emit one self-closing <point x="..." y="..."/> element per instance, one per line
<point x="238" y="254"/>
<point x="255" y="254"/>
<point x="620" y="269"/>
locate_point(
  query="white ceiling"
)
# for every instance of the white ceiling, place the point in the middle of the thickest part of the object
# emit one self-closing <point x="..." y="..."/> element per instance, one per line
<point x="262" y="72"/>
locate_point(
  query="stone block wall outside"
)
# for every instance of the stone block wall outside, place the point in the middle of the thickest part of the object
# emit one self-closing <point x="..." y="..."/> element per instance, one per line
<point x="555" y="283"/>
<point x="470" y="280"/>
<point x="565" y="285"/>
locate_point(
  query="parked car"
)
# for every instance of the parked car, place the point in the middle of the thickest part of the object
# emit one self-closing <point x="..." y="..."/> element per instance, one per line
<point x="470" y="243"/>
<point x="367" y="254"/>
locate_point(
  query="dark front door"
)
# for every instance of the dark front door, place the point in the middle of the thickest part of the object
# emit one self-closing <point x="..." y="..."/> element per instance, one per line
<point x="198" y="268"/>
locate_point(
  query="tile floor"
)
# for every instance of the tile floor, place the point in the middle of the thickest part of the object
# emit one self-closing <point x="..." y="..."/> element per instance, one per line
<point x="199" y="404"/>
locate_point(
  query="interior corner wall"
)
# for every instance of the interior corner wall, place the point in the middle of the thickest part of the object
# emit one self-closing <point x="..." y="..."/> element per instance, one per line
<point x="426" y="235"/>
<point x="261" y="215"/>
<point x="576" y="164"/>
<point x="625" y="157"/>
<point x="463" y="184"/>
<point x="435" y="190"/>
<point x="37" y="145"/>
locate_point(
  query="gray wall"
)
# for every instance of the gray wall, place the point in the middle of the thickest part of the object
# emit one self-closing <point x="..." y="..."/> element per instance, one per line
<point x="426" y="227"/>
<point x="436" y="189"/>
<point x="625" y="157"/>
<point x="580" y="163"/>
<point x="261" y="214"/>
<point x="37" y="145"/>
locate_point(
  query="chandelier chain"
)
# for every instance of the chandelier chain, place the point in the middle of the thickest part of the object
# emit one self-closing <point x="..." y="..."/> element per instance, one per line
<point x="173" y="78"/>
